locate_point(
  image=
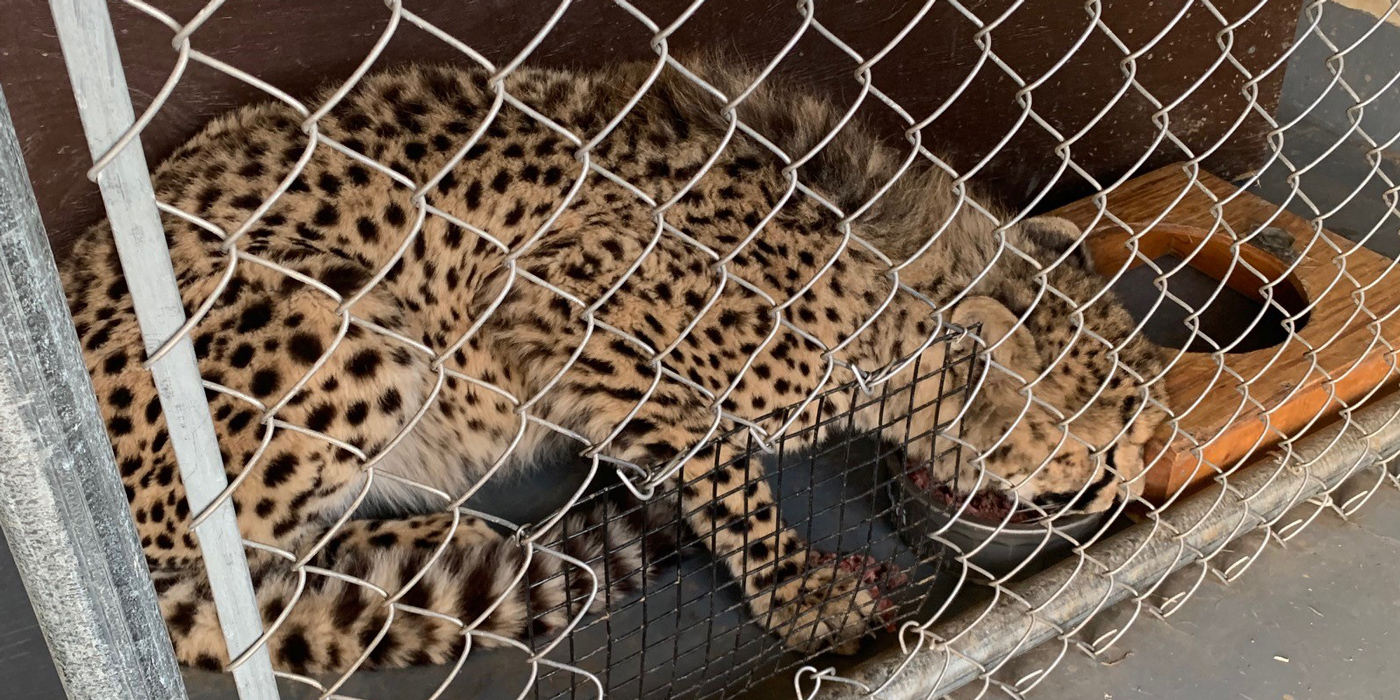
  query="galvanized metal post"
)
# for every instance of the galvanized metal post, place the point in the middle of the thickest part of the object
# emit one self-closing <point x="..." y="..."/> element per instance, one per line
<point x="99" y="87"/>
<point x="61" y="502"/>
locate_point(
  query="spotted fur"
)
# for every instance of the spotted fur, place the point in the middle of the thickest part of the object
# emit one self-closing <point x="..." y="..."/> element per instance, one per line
<point x="274" y="338"/>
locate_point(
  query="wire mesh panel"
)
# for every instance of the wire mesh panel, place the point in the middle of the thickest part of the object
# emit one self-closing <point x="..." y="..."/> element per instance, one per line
<point x="838" y="496"/>
<point x="829" y="412"/>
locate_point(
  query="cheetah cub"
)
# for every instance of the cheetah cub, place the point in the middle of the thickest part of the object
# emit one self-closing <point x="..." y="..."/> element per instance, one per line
<point x="483" y="285"/>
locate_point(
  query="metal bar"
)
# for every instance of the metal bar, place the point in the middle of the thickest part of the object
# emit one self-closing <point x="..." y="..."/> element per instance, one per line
<point x="62" y="506"/>
<point x="1208" y="520"/>
<point x="99" y="86"/>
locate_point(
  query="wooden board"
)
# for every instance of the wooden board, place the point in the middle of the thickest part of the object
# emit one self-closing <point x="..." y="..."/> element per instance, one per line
<point x="1233" y="406"/>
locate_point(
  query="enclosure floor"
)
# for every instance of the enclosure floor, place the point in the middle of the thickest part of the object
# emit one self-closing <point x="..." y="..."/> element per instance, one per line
<point x="1319" y="619"/>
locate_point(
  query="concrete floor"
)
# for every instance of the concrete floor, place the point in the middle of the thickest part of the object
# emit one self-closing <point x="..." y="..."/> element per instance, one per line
<point x="1317" y="619"/>
<point x="25" y="666"/>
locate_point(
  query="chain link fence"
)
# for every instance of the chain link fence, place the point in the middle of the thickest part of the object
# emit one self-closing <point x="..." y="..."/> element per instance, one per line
<point x="808" y="389"/>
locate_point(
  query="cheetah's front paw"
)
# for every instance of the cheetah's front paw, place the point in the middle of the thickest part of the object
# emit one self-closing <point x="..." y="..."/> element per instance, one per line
<point x="834" y="604"/>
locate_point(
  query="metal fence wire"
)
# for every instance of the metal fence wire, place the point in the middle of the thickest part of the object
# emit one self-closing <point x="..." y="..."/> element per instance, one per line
<point x="805" y="391"/>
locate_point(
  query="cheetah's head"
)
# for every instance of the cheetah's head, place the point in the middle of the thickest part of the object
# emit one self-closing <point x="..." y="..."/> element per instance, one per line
<point x="1065" y="404"/>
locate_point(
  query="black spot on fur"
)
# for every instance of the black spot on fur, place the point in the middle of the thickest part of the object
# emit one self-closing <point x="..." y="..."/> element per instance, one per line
<point x="265" y="381"/>
<point x="394" y="215"/>
<point x="305" y="347"/>
<point x="280" y="469"/>
<point x="364" y="363"/>
<point x="246" y="202"/>
<point x="239" y="421"/>
<point x="358" y="174"/>
<point x="295" y="652"/>
<point x="501" y="181"/>
<point x="120" y="397"/>
<point x="98" y="338"/>
<point x="328" y="183"/>
<point x="119" y="425"/>
<point x="390" y="401"/>
<point x="181" y="619"/>
<point x="255" y="316"/>
<point x="321" y="417"/>
<point x="349" y="609"/>
<point x="473" y="195"/>
<point x="758" y="552"/>
<point x="368" y="230"/>
<point x="241" y="356"/>
<point x="344" y="279"/>
<point x="326" y="215"/>
<point x="114" y="363"/>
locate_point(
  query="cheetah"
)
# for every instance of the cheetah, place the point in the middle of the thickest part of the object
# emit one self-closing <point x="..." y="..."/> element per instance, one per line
<point x="625" y="293"/>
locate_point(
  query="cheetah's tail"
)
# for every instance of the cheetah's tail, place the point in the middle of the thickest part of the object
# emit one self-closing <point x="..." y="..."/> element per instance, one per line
<point x="334" y="623"/>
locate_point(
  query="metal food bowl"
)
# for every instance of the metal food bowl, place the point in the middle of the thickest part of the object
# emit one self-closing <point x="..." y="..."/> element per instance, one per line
<point x="928" y="525"/>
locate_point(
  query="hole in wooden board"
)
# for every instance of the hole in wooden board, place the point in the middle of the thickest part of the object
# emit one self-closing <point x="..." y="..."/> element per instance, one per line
<point x="1242" y="306"/>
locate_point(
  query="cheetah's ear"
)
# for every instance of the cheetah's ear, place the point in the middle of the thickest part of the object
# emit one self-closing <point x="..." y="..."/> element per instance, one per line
<point x="1014" y="346"/>
<point x="1057" y="235"/>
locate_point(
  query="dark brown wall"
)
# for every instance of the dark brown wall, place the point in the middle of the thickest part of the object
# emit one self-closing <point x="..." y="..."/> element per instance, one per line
<point x="299" y="45"/>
